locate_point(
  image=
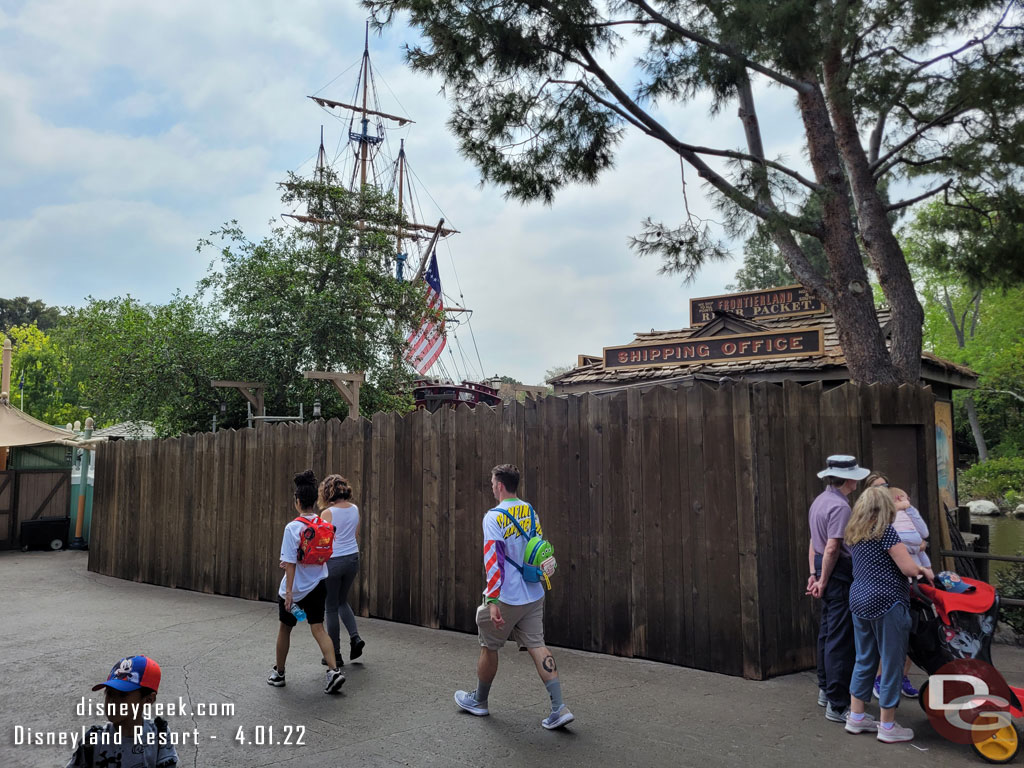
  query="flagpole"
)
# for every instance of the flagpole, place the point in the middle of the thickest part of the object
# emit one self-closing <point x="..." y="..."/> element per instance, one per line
<point x="430" y="248"/>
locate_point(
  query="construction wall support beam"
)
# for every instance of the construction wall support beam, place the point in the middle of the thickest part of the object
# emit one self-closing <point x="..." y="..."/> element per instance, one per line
<point x="255" y="396"/>
<point x="347" y="385"/>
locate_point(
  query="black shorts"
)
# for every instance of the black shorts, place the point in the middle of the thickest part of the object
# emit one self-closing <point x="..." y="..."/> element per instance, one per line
<point x="312" y="604"/>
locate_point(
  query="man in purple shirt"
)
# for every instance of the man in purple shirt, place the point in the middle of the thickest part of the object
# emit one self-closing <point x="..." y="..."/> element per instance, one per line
<point x="831" y="575"/>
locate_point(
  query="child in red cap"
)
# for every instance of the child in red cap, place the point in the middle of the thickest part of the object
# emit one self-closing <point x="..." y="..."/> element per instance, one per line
<point x="131" y="686"/>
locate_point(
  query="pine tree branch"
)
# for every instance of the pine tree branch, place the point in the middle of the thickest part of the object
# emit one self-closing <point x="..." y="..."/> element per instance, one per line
<point x="793" y="254"/>
<point x="658" y="131"/>
<point x="724" y="50"/>
<point x="884" y="163"/>
<point x="905" y="203"/>
<point x="732" y="154"/>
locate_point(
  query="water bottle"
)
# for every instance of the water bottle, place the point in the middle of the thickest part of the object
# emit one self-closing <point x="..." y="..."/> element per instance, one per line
<point x="298" y="613"/>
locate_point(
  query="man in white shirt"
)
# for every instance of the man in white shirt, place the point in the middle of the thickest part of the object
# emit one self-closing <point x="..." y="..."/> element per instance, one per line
<point x="512" y="606"/>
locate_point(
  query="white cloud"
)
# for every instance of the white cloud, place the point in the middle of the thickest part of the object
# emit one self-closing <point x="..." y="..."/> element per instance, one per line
<point x="132" y="129"/>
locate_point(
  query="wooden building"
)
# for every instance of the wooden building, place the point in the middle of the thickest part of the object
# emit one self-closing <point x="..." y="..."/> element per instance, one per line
<point x="756" y="357"/>
<point x="777" y="335"/>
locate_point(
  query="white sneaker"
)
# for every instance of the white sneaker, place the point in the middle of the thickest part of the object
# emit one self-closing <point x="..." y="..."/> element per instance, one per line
<point x="467" y="700"/>
<point x="276" y="678"/>
<point x="335" y="679"/>
<point x="558" y="719"/>
<point x="895" y="734"/>
<point x="859" y="726"/>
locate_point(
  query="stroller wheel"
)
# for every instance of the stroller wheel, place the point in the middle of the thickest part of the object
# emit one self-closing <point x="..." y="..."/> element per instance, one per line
<point x="922" y="697"/>
<point x="999" y="747"/>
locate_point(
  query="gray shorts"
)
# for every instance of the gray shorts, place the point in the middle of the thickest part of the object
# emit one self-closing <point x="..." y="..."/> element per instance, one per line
<point x="524" y="623"/>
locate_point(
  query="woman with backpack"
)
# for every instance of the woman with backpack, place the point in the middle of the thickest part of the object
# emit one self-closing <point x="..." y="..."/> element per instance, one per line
<point x="336" y="503"/>
<point x="305" y="548"/>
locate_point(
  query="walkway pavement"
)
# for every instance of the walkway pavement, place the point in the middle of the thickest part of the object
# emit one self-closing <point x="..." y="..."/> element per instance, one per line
<point x="63" y="628"/>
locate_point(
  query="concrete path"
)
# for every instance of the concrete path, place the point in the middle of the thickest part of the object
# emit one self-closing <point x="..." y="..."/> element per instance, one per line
<point x="63" y="628"/>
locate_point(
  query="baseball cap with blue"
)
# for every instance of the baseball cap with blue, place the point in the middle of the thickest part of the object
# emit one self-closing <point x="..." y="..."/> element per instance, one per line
<point x="951" y="582"/>
<point x="132" y="673"/>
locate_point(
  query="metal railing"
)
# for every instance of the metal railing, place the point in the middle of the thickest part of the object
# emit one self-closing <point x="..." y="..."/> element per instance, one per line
<point x="1009" y="602"/>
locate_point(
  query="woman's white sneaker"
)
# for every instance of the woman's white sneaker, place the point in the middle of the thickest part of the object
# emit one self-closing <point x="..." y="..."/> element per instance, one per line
<point x="895" y="734"/>
<point x="868" y="723"/>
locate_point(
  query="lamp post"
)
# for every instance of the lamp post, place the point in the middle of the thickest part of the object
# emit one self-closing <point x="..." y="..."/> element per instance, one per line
<point x="83" y="482"/>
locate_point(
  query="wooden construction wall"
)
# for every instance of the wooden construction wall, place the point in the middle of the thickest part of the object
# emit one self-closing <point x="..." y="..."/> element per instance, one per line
<point x="678" y="516"/>
<point x="29" y="494"/>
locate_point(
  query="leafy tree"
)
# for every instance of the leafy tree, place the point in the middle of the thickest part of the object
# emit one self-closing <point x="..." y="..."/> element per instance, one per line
<point x="23" y="311"/>
<point x="764" y="267"/>
<point x="556" y="370"/>
<point x="143" y="362"/>
<point x="884" y="90"/>
<point x="51" y="391"/>
<point x="971" y="320"/>
<point x="316" y="296"/>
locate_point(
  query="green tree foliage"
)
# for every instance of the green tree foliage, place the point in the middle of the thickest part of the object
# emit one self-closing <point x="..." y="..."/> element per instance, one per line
<point x="311" y="296"/>
<point x="555" y="371"/>
<point x="764" y="267"/>
<point x="23" y="311"/>
<point x="144" y="362"/>
<point x="884" y="91"/>
<point x="52" y="393"/>
<point x="998" y="480"/>
<point x="317" y="296"/>
<point x="978" y="240"/>
<point x="978" y="326"/>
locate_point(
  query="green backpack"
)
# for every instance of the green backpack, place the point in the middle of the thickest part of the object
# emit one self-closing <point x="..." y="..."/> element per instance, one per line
<point x="539" y="556"/>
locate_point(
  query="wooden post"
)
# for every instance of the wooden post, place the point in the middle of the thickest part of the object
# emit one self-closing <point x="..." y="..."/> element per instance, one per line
<point x="255" y="397"/>
<point x="347" y="385"/>
<point x="83" y="488"/>
<point x="963" y="519"/>
<point x="981" y="544"/>
<point x="5" y="379"/>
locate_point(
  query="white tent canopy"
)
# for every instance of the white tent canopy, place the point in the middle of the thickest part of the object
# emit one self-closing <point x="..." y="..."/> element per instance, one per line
<point x="17" y="428"/>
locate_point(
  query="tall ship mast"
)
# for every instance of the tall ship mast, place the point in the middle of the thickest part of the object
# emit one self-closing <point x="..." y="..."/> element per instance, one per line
<point x="364" y="158"/>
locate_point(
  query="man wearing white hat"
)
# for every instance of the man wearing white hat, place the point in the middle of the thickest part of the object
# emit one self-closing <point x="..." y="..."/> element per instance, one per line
<point x="831" y="575"/>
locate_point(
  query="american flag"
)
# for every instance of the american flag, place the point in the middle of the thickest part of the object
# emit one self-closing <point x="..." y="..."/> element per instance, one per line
<point x="427" y="342"/>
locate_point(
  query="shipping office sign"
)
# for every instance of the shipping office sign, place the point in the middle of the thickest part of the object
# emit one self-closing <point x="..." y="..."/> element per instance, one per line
<point x="803" y="342"/>
<point x="788" y="301"/>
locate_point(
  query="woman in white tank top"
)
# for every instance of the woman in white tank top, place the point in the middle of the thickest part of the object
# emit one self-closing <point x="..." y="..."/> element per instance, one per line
<point x="338" y="509"/>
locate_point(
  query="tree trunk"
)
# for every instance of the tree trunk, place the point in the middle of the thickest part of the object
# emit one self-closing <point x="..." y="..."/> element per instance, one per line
<point x="979" y="438"/>
<point x="876" y="233"/>
<point x="848" y="292"/>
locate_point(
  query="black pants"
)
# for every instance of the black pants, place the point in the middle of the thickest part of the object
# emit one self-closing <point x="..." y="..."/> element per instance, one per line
<point x="837" y="650"/>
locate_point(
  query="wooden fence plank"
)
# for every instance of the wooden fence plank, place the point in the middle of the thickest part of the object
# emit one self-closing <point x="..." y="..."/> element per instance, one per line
<point x="700" y="577"/>
<point x="721" y="533"/>
<point x="747" y="528"/>
<point x="429" y="610"/>
<point x="636" y="511"/>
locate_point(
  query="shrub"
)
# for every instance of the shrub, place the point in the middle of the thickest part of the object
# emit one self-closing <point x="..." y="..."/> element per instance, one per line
<point x="1011" y="584"/>
<point x="994" y="480"/>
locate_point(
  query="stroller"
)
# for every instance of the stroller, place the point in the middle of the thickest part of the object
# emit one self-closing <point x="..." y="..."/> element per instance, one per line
<point x="950" y="626"/>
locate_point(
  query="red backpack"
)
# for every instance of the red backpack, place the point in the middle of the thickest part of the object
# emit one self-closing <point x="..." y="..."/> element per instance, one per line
<point x="316" y="542"/>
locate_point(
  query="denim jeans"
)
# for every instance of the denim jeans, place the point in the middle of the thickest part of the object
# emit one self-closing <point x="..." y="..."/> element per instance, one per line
<point x="341" y="572"/>
<point x="885" y="639"/>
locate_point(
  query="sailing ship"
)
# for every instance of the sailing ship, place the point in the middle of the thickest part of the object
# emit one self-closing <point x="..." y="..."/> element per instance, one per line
<point x="416" y="241"/>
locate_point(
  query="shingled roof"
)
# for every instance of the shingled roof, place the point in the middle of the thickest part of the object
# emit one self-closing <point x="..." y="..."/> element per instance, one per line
<point x="831" y="364"/>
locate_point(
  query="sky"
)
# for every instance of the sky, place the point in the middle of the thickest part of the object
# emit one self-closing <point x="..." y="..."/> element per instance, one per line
<point x="130" y="130"/>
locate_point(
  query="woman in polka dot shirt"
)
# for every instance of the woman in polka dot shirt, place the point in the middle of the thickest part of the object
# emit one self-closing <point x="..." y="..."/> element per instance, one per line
<point x="880" y="604"/>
